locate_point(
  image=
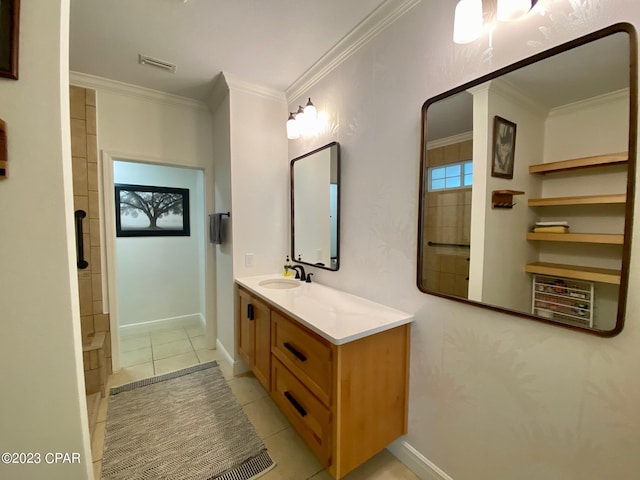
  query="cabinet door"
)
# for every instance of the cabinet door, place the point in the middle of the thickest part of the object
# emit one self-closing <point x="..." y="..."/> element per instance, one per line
<point x="246" y="329"/>
<point x="262" y="345"/>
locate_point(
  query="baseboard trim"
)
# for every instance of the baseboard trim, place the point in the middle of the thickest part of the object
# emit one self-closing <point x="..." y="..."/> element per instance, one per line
<point x="238" y="367"/>
<point x="177" y="322"/>
<point x="416" y="462"/>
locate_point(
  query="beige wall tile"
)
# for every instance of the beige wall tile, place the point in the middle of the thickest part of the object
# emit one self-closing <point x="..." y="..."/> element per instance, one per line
<point x="86" y="360"/>
<point x="81" y="202"/>
<point x="451" y="153"/>
<point x="96" y="281"/>
<point x="80" y="180"/>
<point x="86" y="294"/>
<point x="92" y="381"/>
<point x="86" y="242"/>
<point x="97" y="307"/>
<point x="91" y="119"/>
<point x="78" y="138"/>
<point x="95" y="259"/>
<point x="77" y="98"/>
<point x="90" y="98"/>
<point x="466" y="150"/>
<point x="91" y="148"/>
<point x="101" y="322"/>
<point x="435" y="157"/>
<point x="94" y="234"/>
<point x="86" y="323"/>
<point x="93" y="358"/>
<point x="94" y="206"/>
<point x="447" y="283"/>
<point x="92" y="176"/>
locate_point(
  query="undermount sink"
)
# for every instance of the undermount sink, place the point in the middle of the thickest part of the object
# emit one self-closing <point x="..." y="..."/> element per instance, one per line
<point x="279" y="283"/>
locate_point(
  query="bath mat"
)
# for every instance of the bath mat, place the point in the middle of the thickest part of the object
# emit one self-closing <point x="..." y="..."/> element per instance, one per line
<point x="184" y="425"/>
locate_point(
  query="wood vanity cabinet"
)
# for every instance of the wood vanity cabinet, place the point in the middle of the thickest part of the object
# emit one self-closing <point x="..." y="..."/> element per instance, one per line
<point x="253" y="335"/>
<point x="346" y="401"/>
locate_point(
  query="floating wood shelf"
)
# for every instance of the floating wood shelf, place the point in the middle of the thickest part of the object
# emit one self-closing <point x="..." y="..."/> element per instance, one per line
<point x="586" y="162"/>
<point x="606" y="238"/>
<point x="504" y="198"/>
<point x="583" y="200"/>
<point x="592" y="274"/>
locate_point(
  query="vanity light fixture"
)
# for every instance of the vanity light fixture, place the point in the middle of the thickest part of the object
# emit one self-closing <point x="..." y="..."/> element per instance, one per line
<point x="302" y="122"/>
<point x="470" y="20"/>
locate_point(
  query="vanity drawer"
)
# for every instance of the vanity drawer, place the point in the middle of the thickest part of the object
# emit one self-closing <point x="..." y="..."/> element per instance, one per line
<point x="303" y="352"/>
<point x="310" y="418"/>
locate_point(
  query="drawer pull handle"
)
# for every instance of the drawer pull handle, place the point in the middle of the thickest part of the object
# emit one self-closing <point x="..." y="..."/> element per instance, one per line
<point x="250" y="312"/>
<point x="299" y="355"/>
<point x="296" y="405"/>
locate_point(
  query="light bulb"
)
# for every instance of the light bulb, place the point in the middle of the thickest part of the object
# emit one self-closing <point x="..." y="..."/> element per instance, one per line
<point x="293" y="131"/>
<point x="512" y="9"/>
<point x="468" y="21"/>
<point x="310" y="112"/>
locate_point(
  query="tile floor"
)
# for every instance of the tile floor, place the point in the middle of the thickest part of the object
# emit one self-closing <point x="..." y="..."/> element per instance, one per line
<point x="146" y="352"/>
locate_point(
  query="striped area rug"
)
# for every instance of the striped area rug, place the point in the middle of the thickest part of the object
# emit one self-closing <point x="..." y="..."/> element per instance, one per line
<point x="184" y="425"/>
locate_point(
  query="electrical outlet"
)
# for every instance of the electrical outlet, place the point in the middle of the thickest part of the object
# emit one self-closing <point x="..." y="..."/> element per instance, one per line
<point x="248" y="260"/>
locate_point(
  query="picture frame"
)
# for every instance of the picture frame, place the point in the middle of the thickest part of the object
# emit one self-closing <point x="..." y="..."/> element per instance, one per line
<point x="9" y="38"/>
<point x="504" y="148"/>
<point x="151" y="211"/>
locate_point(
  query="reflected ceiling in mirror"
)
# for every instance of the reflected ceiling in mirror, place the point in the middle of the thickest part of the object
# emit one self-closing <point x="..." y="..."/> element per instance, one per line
<point x="315" y="207"/>
<point x="526" y="193"/>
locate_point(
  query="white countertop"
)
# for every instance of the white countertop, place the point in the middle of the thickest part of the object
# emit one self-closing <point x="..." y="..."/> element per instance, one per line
<point x="337" y="316"/>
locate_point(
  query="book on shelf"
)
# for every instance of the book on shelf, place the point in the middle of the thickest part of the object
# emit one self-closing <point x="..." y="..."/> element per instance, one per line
<point x="552" y="229"/>
<point x="560" y="223"/>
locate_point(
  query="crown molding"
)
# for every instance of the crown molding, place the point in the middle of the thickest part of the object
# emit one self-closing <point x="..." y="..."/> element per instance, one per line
<point x="365" y="31"/>
<point x="227" y="82"/>
<point x="237" y="84"/>
<point x="452" y="140"/>
<point x="604" y="99"/>
<point x="106" y="84"/>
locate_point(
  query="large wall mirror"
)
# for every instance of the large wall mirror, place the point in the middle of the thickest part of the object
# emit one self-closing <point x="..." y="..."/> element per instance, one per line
<point x="527" y="185"/>
<point x="315" y="207"/>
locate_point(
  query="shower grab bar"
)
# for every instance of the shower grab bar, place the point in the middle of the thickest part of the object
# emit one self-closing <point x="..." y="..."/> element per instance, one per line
<point x="80" y="261"/>
<point x="435" y="244"/>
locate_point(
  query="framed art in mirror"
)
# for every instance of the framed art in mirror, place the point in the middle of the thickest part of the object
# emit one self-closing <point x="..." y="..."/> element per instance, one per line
<point x="9" y="38"/>
<point x="560" y="252"/>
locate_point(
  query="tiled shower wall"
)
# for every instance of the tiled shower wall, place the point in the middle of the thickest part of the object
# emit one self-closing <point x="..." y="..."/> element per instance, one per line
<point x="84" y="151"/>
<point x="448" y="220"/>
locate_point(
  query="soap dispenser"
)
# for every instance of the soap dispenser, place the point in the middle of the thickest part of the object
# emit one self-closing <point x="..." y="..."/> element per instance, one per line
<point x="287" y="266"/>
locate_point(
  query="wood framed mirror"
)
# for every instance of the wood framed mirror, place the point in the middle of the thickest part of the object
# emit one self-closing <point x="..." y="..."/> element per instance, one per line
<point x="527" y="185"/>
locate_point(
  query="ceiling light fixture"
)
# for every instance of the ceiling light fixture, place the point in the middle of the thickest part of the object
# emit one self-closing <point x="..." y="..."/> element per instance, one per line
<point x="470" y="19"/>
<point x="154" y="62"/>
<point x="302" y="122"/>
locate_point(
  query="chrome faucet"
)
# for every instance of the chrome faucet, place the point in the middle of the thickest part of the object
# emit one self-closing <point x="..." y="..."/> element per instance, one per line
<point x="300" y="274"/>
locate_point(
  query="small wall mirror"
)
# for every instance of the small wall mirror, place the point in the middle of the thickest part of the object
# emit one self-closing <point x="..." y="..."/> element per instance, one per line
<point x="527" y="185"/>
<point x="315" y="207"/>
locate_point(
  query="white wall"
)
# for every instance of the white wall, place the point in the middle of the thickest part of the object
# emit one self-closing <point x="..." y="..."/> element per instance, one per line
<point x="492" y="396"/>
<point x="143" y="125"/>
<point x="252" y="183"/>
<point x="161" y="278"/>
<point x="505" y="282"/>
<point x="42" y="406"/>
<point x="312" y="208"/>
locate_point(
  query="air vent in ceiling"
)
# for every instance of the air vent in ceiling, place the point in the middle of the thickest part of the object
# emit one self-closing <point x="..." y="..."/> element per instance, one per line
<point x="154" y="62"/>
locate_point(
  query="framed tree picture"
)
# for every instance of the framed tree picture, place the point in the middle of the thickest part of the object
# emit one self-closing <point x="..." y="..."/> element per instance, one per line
<point x="504" y="148"/>
<point x="9" y="31"/>
<point x="147" y="211"/>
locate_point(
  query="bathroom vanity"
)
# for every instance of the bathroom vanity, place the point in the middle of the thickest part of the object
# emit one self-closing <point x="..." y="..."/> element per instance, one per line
<point x="337" y="365"/>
